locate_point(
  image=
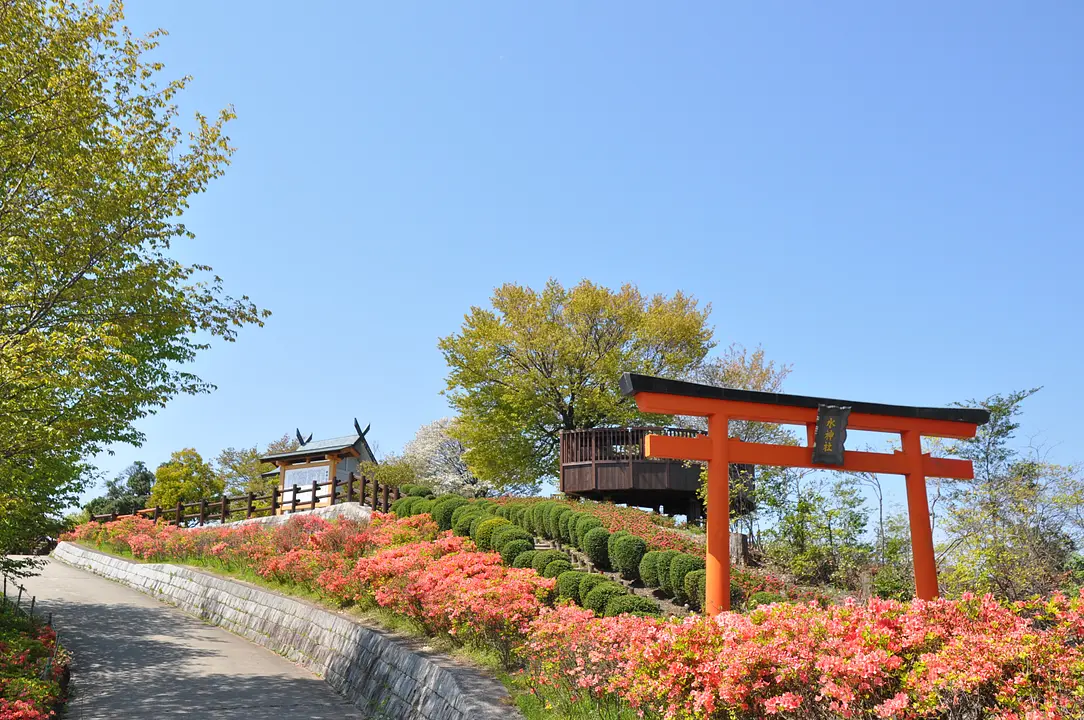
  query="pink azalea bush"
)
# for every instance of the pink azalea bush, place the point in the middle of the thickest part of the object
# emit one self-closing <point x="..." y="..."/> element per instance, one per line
<point x="26" y="653"/>
<point x="968" y="658"/>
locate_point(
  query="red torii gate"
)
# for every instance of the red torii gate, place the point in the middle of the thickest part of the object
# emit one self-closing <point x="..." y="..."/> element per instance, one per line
<point x="721" y="405"/>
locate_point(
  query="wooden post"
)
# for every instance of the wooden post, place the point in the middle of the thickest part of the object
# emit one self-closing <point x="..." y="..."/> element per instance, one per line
<point x="202" y="511"/>
<point x="395" y="493"/>
<point x="157" y="512"/>
<point x="334" y="491"/>
<point x="225" y="509"/>
<point x="248" y="506"/>
<point x="350" y="488"/>
<point x="918" y="512"/>
<point x="293" y="500"/>
<point x="385" y="498"/>
<point x="312" y="500"/>
<point x="374" y="495"/>
<point x="717" y="590"/>
<point x="361" y="495"/>
<point x="274" y="501"/>
<point x="113" y="516"/>
<point x="180" y="513"/>
<point x="33" y="599"/>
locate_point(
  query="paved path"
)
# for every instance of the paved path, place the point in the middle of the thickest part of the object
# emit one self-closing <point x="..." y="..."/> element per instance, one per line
<point x="138" y="658"/>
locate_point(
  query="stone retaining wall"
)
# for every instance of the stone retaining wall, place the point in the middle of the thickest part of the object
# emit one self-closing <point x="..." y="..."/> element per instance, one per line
<point x="387" y="676"/>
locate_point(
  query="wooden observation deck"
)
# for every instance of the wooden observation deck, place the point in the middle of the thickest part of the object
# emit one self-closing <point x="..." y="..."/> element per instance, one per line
<point x="609" y="464"/>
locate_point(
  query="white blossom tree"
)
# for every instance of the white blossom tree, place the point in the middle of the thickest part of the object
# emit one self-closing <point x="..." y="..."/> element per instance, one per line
<point x="437" y="458"/>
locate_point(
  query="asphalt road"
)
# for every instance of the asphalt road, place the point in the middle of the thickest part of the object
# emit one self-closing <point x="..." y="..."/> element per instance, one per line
<point x="138" y="658"/>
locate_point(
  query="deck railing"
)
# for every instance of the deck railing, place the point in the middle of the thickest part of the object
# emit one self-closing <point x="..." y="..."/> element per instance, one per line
<point x="278" y="502"/>
<point x="24" y="605"/>
<point x="611" y="444"/>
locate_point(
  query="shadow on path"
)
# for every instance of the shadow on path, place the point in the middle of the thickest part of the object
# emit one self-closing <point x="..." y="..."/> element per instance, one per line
<point x="138" y="658"/>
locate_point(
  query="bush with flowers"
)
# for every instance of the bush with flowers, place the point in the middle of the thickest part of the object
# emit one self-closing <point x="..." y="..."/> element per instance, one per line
<point x="946" y="659"/>
<point x="26" y="654"/>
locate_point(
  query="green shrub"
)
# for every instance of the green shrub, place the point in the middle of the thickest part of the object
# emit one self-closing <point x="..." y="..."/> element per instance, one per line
<point x="525" y="559"/>
<point x="612" y="542"/>
<point x="553" y="522"/>
<point x="662" y="568"/>
<point x="536" y="515"/>
<point x="414" y="490"/>
<point x="421" y="507"/>
<point x="763" y="598"/>
<point x="563" y="525"/>
<point x="584" y="524"/>
<point x="556" y="567"/>
<point x="588" y="583"/>
<point x="478" y="520"/>
<point x="600" y="595"/>
<point x="633" y="604"/>
<point x="502" y="511"/>
<point x="568" y="585"/>
<point x="648" y="573"/>
<point x="517" y="513"/>
<point x="513" y="549"/>
<point x="485" y="530"/>
<point x="507" y="533"/>
<point x="443" y="509"/>
<point x="463" y="510"/>
<point x="545" y="557"/>
<point x="461" y="527"/>
<point x="399" y="507"/>
<point x="681" y="565"/>
<point x="594" y="544"/>
<point x="695" y="588"/>
<point x="626" y="553"/>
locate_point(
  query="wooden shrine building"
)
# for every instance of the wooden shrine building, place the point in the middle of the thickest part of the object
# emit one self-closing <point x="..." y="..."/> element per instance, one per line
<point x="317" y="461"/>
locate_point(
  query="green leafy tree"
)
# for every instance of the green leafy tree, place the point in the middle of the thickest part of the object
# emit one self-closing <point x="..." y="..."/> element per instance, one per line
<point x="97" y="319"/>
<point x="536" y="363"/>
<point x="126" y="493"/>
<point x="393" y="471"/>
<point x="185" y="478"/>
<point x="1013" y="529"/>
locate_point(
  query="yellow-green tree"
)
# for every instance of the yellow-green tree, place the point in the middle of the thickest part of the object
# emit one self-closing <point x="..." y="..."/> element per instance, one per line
<point x="241" y="471"/>
<point x="538" y="362"/>
<point x="97" y="318"/>
<point x="185" y="478"/>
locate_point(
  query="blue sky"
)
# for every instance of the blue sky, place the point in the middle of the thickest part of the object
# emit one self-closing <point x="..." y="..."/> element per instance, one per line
<point x="886" y="195"/>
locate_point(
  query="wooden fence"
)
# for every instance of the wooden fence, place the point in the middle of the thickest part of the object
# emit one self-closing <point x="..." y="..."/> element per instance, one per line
<point x="278" y="502"/>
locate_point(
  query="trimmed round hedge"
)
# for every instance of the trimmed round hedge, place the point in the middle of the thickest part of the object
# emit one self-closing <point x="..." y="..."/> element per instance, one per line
<point x="525" y="559"/>
<point x="443" y="509"/>
<point x="594" y="545"/>
<point x="414" y="490"/>
<point x="401" y="506"/>
<point x="507" y="533"/>
<point x="461" y="527"/>
<point x="584" y="524"/>
<point x="626" y="554"/>
<point x="513" y="548"/>
<point x="633" y="604"/>
<point x="681" y="565"/>
<point x="648" y="573"/>
<point x="662" y="569"/>
<point x="611" y="544"/>
<point x="564" y="525"/>
<point x="556" y="567"/>
<point x="553" y="524"/>
<point x="568" y="585"/>
<point x="459" y="512"/>
<point x="588" y="583"/>
<point x="600" y="595"/>
<point x="421" y="507"/>
<point x="484" y="532"/>
<point x="545" y="557"/>
<point x="476" y="521"/>
<point x="696" y="588"/>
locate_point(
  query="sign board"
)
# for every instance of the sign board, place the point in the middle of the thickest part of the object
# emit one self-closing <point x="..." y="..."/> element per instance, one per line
<point x="307" y="475"/>
<point x="831" y="434"/>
